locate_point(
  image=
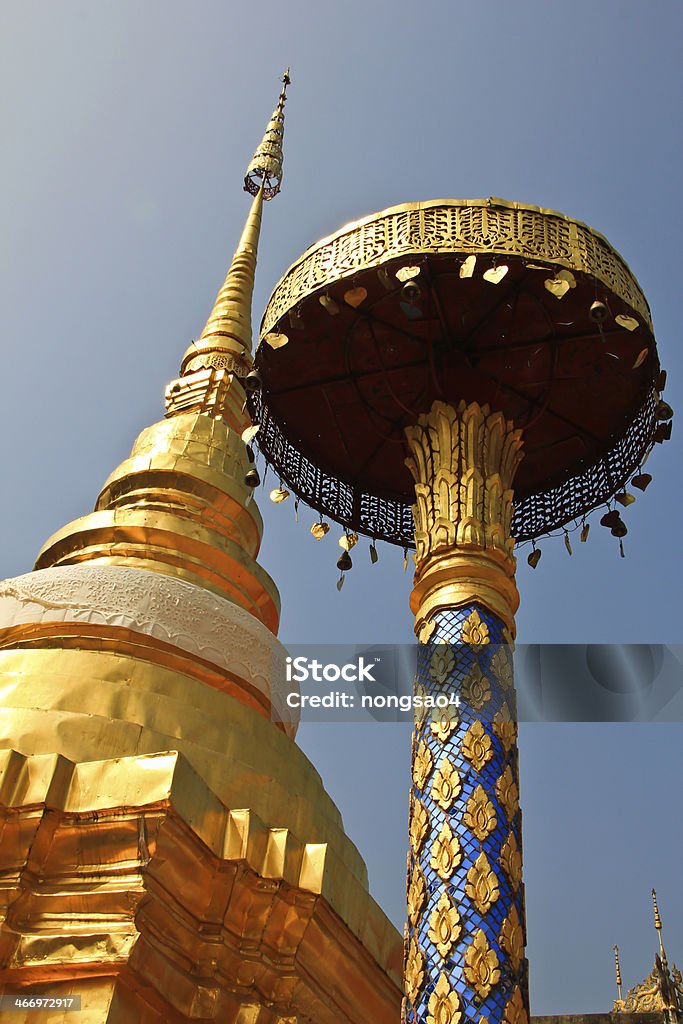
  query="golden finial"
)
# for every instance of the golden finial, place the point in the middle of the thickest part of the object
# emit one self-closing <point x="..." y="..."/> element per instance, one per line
<point x="658" y="926"/>
<point x="265" y="169"/>
<point x="226" y="341"/>
<point x="618" y="970"/>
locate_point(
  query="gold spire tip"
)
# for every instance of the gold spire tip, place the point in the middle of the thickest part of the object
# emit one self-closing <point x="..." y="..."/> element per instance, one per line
<point x="265" y="170"/>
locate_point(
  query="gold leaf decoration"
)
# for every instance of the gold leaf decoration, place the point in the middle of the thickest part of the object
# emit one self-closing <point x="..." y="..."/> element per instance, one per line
<point x="276" y="340"/>
<point x="476" y="689"/>
<point x="446" y="724"/>
<point x="446" y="785"/>
<point x="480" y="815"/>
<point x="444" y="1004"/>
<point x="482" y="967"/>
<point x="507" y="793"/>
<point x="417" y="892"/>
<point x="475" y="630"/>
<point x="506" y="731"/>
<point x="482" y="884"/>
<point x="477" y="746"/>
<point x="511" y="860"/>
<point x="512" y="938"/>
<point x="420" y="711"/>
<point x="515" y="1011"/>
<point x="468" y="265"/>
<point x="419" y="825"/>
<point x="426" y="631"/>
<point x="422" y="765"/>
<point x="496" y="274"/>
<point x="629" y="322"/>
<point x="501" y="666"/>
<point x="446" y="853"/>
<point x="442" y="663"/>
<point x="444" y="925"/>
<point x="414" y="973"/>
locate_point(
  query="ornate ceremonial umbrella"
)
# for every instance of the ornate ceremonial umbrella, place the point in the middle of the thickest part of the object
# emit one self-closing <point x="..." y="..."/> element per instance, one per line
<point x="419" y="371"/>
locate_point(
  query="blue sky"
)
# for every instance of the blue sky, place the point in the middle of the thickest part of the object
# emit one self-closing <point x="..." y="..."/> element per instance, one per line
<point x="126" y="131"/>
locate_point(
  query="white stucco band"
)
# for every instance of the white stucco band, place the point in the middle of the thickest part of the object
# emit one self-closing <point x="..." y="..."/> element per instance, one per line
<point x="195" y="621"/>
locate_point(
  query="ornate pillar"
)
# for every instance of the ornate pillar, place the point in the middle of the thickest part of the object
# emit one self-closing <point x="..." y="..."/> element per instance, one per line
<point x="465" y="936"/>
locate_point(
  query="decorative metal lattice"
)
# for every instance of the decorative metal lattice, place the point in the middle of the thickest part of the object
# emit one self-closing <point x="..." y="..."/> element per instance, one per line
<point x="390" y="520"/>
<point x="464" y="942"/>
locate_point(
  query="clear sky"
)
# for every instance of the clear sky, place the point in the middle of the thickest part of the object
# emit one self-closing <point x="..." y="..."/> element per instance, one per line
<point x="126" y="129"/>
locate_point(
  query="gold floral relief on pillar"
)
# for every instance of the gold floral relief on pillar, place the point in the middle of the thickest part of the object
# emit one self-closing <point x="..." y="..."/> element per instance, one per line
<point x="414" y="973"/>
<point x="506" y="731"/>
<point x="482" y="884"/>
<point x="515" y="1011"/>
<point x="419" y="825"/>
<point x="511" y="860"/>
<point x="507" y="793"/>
<point x="441" y="663"/>
<point x="444" y="726"/>
<point x="475" y="631"/>
<point x="463" y="460"/>
<point x="445" y="853"/>
<point x="444" y="1004"/>
<point x="477" y="747"/>
<point x="422" y="765"/>
<point x="446" y="785"/>
<point x="480" y="815"/>
<point x="512" y="938"/>
<point x="501" y="666"/>
<point x="417" y="894"/>
<point x="445" y="926"/>
<point x="476" y="689"/>
<point x="481" y="967"/>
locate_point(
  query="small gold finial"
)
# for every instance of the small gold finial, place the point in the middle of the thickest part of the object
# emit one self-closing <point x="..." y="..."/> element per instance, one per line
<point x="658" y="926"/>
<point x="618" y="970"/>
<point x="265" y="169"/>
<point x="226" y="341"/>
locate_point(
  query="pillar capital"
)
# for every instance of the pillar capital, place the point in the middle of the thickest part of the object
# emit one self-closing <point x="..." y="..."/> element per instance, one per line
<point x="463" y="459"/>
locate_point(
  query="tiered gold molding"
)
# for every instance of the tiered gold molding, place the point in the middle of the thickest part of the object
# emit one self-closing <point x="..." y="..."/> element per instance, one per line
<point x="179" y="506"/>
<point x="463" y="460"/>
<point x="173" y="907"/>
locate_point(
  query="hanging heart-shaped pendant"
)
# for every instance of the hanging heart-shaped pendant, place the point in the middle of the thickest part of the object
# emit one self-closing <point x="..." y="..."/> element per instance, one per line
<point x="496" y="274"/>
<point x="355" y="296"/>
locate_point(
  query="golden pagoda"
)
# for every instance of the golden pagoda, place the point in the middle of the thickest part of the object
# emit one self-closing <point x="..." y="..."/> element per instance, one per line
<point x="167" y="852"/>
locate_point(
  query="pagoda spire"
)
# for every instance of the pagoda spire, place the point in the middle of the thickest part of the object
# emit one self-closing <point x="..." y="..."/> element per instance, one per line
<point x="226" y="340"/>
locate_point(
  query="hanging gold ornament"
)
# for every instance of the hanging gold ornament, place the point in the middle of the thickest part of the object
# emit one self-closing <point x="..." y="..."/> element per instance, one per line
<point x="348" y="541"/>
<point x="468" y="265"/>
<point x="320" y="530"/>
<point x="278" y="495"/>
<point x="584" y="532"/>
<point x="534" y="558"/>
<point x="355" y="296"/>
<point x="567" y="543"/>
